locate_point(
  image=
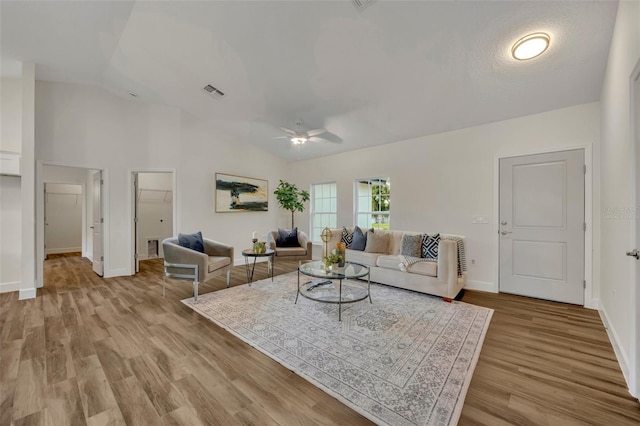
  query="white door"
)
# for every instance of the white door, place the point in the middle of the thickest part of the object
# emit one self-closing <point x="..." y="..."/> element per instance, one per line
<point x="96" y="226"/>
<point x="542" y="226"/>
<point x="136" y="230"/>
<point x="635" y="238"/>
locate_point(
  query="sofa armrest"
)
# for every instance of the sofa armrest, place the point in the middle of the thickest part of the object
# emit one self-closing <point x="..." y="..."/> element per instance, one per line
<point x="448" y="264"/>
<point x="306" y="243"/>
<point x="216" y="248"/>
<point x="271" y="239"/>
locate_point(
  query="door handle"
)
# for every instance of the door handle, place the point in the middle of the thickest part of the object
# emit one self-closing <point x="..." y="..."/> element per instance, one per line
<point x="506" y="232"/>
<point x="634" y="253"/>
<point x="91" y="227"/>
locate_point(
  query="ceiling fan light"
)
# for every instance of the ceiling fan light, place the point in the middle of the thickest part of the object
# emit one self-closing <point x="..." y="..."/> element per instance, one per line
<point x="530" y="46"/>
<point x="298" y="140"/>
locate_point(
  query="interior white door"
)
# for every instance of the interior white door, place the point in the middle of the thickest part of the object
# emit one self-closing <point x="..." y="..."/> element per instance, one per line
<point x="635" y="239"/>
<point x="542" y="226"/>
<point x="136" y="229"/>
<point x="98" y="266"/>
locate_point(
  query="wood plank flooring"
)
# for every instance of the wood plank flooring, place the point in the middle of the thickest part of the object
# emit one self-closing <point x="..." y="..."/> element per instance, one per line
<point x="99" y="351"/>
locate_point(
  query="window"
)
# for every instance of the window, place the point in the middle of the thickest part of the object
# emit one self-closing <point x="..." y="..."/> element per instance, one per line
<point x="324" y="209"/>
<point x="373" y="203"/>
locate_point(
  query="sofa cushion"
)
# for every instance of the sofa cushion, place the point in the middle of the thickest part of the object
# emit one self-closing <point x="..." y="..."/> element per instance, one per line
<point x="430" y="246"/>
<point x="217" y="262"/>
<point x="287" y="238"/>
<point x="411" y="245"/>
<point x="388" y="261"/>
<point x="192" y="241"/>
<point x="427" y="267"/>
<point x="362" y="257"/>
<point x="291" y="251"/>
<point x="377" y="242"/>
<point x="347" y="237"/>
<point x="358" y="239"/>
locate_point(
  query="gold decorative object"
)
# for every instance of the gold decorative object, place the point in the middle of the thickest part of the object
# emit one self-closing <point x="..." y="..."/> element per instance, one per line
<point x="326" y="236"/>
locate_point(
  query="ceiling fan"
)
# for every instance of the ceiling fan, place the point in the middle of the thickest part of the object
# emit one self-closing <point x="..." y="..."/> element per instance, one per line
<point x="299" y="137"/>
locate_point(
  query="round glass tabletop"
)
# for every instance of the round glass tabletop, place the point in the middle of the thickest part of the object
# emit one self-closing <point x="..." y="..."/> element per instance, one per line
<point x="317" y="269"/>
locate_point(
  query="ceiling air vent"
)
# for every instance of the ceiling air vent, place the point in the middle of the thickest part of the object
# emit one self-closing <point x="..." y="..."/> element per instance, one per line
<point x="216" y="93"/>
<point x="362" y="4"/>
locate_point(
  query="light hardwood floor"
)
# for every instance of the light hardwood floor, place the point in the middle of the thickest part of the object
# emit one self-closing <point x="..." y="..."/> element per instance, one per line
<point x="99" y="351"/>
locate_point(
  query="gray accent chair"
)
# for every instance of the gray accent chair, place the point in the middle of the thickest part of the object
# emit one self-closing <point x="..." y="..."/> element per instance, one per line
<point x="186" y="264"/>
<point x="303" y="252"/>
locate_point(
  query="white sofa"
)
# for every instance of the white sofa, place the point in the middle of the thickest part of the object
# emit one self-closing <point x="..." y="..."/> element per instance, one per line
<point x="437" y="278"/>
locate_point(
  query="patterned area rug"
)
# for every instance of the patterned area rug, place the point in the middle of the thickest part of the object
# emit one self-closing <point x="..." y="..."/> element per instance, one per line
<point x="405" y="359"/>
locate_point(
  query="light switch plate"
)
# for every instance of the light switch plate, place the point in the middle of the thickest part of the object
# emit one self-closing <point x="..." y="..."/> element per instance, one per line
<point x="480" y="219"/>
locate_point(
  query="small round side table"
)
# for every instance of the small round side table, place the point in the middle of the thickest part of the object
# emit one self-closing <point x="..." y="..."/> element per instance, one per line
<point x="250" y="268"/>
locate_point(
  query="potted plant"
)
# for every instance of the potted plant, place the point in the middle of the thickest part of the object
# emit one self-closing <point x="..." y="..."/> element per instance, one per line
<point x="290" y="197"/>
<point x="333" y="259"/>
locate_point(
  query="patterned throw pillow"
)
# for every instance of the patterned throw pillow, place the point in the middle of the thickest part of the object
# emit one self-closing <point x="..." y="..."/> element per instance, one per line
<point x="358" y="239"/>
<point x="347" y="238"/>
<point x="411" y="245"/>
<point x="430" y="246"/>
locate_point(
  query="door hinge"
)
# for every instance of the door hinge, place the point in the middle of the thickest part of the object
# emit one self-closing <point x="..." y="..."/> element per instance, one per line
<point x="102" y="220"/>
<point x="585" y="169"/>
<point x="101" y="258"/>
<point x="584" y="284"/>
<point x="585" y="227"/>
<point x="135" y="220"/>
<point x="101" y="182"/>
<point x="135" y="256"/>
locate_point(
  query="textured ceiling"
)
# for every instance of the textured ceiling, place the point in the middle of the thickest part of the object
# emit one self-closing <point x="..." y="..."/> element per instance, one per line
<point x="393" y="71"/>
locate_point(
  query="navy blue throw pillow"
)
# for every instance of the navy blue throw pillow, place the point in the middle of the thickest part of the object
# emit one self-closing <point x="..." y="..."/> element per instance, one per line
<point x="359" y="239"/>
<point x="287" y="238"/>
<point x="192" y="241"/>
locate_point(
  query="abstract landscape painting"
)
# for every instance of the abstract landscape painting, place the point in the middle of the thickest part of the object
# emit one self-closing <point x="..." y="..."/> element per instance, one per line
<point x="241" y="194"/>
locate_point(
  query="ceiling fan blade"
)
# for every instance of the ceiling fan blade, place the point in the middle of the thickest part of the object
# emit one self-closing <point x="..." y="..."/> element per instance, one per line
<point x="316" y="132"/>
<point x="281" y="137"/>
<point x="292" y="132"/>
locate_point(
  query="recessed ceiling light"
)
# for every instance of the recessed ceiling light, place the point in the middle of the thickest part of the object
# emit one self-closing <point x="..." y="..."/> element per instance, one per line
<point x="530" y="46"/>
<point x="133" y="94"/>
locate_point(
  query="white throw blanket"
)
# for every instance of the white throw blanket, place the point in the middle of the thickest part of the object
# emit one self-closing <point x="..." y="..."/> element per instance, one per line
<point x="406" y="261"/>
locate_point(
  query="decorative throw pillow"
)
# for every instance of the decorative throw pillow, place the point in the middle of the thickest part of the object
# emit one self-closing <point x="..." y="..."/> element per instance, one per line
<point x="287" y="238"/>
<point x="411" y="245"/>
<point x="377" y="242"/>
<point x="192" y="241"/>
<point x="430" y="246"/>
<point x="347" y="237"/>
<point x="359" y="239"/>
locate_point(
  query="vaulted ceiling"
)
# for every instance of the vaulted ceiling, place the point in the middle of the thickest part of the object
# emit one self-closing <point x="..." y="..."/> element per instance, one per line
<point x="394" y="70"/>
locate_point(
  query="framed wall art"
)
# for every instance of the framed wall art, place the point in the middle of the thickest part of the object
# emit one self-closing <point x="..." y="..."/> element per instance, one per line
<point x="241" y="194"/>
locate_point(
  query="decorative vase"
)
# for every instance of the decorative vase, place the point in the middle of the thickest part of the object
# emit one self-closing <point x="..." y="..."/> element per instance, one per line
<point x="341" y="248"/>
<point x="335" y="267"/>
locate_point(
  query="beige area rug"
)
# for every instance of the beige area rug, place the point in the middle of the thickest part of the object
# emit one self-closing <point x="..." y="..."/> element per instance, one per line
<point x="405" y="359"/>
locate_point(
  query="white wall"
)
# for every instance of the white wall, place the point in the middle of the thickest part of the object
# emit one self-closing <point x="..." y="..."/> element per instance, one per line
<point x="10" y="114"/>
<point x="617" y="212"/>
<point x="439" y="182"/>
<point x="88" y="127"/>
<point x="64" y="205"/>
<point x="10" y="204"/>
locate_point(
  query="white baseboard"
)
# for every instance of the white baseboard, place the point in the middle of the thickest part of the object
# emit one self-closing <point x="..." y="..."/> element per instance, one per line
<point x="481" y="286"/>
<point x="615" y="342"/>
<point x="63" y="250"/>
<point x="592" y="304"/>
<point x="9" y="286"/>
<point x="122" y="272"/>
<point x="27" y="293"/>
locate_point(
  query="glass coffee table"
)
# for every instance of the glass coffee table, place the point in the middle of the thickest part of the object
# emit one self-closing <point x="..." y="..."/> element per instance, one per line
<point x="322" y="289"/>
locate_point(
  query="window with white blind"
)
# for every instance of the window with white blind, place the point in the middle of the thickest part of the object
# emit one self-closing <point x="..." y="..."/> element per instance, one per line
<point x="324" y="208"/>
<point x="373" y="203"/>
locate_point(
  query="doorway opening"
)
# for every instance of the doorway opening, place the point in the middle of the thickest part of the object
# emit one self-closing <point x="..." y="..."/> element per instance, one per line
<point x="70" y="218"/>
<point x="153" y="213"/>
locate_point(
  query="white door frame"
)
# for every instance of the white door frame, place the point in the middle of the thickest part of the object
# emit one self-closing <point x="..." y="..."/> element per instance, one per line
<point x="40" y="255"/>
<point x="590" y="299"/>
<point x="132" y="206"/>
<point x="634" y="362"/>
